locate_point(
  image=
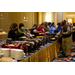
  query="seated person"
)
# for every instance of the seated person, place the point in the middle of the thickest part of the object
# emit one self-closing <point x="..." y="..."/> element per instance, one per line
<point x="45" y="27"/>
<point x="59" y="27"/>
<point x="53" y="24"/>
<point x="49" y="26"/>
<point x="53" y="28"/>
<point x="21" y="28"/>
<point x="34" y="30"/>
<point x="12" y="32"/>
<point x="41" y="28"/>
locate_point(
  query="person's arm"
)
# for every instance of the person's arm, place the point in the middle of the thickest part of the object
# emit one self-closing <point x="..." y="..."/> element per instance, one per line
<point x="35" y="31"/>
<point x="16" y="35"/>
<point x="25" y="34"/>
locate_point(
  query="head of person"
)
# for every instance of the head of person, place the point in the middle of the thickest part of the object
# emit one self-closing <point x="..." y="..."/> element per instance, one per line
<point x="35" y="26"/>
<point x="58" y="24"/>
<point x="21" y="26"/>
<point x="49" y="23"/>
<point x="42" y="25"/>
<point x="62" y="24"/>
<point x="45" y="23"/>
<point x="14" y="27"/>
<point x="53" y="24"/>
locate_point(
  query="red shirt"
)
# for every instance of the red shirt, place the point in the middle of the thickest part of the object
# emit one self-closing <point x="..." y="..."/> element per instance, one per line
<point x="41" y="29"/>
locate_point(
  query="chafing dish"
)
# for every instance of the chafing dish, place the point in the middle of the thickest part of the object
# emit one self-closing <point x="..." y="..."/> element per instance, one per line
<point x="29" y="45"/>
<point x="35" y="43"/>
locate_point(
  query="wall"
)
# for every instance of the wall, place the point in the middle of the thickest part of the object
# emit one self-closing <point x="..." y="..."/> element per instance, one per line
<point x="39" y="17"/>
<point x="56" y="19"/>
<point x="59" y="16"/>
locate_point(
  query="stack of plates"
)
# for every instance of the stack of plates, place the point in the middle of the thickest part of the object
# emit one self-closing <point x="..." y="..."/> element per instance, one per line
<point x="5" y="51"/>
<point x="12" y="53"/>
<point x="19" y="54"/>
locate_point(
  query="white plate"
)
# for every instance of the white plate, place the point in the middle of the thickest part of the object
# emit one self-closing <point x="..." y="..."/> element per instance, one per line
<point x="46" y="32"/>
<point x="31" y="35"/>
<point x="1" y="53"/>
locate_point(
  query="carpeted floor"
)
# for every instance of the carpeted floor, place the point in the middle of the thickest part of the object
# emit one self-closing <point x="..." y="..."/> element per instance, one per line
<point x="70" y="58"/>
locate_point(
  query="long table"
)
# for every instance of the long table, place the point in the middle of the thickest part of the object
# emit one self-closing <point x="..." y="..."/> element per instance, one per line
<point x="44" y="54"/>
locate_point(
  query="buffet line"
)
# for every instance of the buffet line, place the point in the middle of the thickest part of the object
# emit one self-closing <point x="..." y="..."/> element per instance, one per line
<point x="40" y="49"/>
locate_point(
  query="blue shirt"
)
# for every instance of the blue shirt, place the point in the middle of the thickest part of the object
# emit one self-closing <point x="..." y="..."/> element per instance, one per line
<point x="52" y="29"/>
<point x="59" y="28"/>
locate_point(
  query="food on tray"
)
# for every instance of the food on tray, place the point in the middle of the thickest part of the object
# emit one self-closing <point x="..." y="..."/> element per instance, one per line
<point x="27" y="38"/>
<point x="53" y="38"/>
<point x="11" y="45"/>
<point x="2" y="32"/>
<point x="39" y="36"/>
<point x="6" y="59"/>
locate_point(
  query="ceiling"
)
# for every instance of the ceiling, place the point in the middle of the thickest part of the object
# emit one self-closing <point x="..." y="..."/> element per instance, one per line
<point x="70" y="12"/>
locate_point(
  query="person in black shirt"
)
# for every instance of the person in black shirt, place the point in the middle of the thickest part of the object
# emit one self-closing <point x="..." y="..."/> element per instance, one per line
<point x="34" y="30"/>
<point x="12" y="32"/>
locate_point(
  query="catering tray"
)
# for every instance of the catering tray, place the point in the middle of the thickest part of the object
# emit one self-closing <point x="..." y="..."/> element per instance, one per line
<point x="50" y="33"/>
<point x="1" y="34"/>
<point x="29" y="45"/>
<point x="17" y="46"/>
<point x="54" y="39"/>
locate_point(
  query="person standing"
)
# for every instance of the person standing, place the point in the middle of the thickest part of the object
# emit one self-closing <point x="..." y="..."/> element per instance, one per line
<point x="66" y="39"/>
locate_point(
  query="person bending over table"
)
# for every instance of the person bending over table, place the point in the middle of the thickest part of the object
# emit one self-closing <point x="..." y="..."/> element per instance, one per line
<point x="34" y="30"/>
<point x="21" y="29"/>
<point x="13" y="32"/>
<point x="41" y="28"/>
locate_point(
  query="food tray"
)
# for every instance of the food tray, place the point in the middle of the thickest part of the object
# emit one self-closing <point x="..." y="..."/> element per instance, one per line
<point x="1" y="34"/>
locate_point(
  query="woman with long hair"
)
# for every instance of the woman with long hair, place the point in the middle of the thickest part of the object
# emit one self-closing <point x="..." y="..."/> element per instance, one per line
<point x="34" y="30"/>
<point x="12" y="32"/>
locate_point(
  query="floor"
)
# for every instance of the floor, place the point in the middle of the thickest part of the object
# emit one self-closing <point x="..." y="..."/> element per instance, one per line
<point x="70" y="58"/>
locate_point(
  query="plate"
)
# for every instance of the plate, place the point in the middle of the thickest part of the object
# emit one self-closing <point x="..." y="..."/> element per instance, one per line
<point x="1" y="53"/>
<point x="31" y="35"/>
